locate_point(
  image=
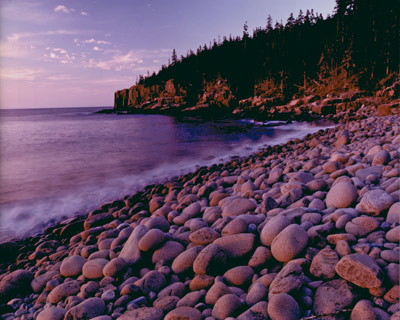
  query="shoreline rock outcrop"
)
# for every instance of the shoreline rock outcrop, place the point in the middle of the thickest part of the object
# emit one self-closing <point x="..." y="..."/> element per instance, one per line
<point x="312" y="224"/>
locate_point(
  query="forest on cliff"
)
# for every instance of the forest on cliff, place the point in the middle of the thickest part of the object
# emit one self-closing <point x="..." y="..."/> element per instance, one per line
<point x="357" y="46"/>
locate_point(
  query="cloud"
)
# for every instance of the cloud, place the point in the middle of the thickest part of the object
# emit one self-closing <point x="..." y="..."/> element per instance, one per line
<point x="26" y="74"/>
<point x="97" y="49"/>
<point x="96" y="41"/>
<point x="58" y="55"/>
<point x="84" y="13"/>
<point x="64" y="9"/>
<point x="118" y="62"/>
<point x="18" y="36"/>
<point x="156" y="61"/>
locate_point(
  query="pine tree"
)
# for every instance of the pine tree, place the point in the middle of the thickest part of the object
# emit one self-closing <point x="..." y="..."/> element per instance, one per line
<point x="174" y="57"/>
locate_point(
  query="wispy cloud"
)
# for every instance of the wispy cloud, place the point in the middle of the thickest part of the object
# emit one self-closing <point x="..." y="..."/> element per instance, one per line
<point x="97" y="49"/>
<point x="96" y="41"/>
<point x="18" y="36"/>
<point x="84" y="13"/>
<point x="63" y="9"/>
<point x="27" y="74"/>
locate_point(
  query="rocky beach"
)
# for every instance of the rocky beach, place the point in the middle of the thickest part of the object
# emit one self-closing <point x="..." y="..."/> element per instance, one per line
<point x="305" y="230"/>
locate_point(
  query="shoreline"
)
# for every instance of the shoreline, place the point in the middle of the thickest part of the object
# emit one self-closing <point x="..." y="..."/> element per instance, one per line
<point x="296" y="185"/>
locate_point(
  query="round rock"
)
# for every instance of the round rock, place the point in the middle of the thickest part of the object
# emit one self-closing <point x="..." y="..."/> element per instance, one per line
<point x="289" y="243"/>
<point x="183" y="313"/>
<point x="93" y="269"/>
<point x="283" y="306"/>
<point x="152" y="240"/>
<point x="51" y="313"/>
<point x="272" y="228"/>
<point x="72" y="266"/>
<point x="341" y="195"/>
<point x="226" y="306"/>
<point x="239" y="276"/>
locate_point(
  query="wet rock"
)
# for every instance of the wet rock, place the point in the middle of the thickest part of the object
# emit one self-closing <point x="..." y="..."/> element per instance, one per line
<point x="361" y="270"/>
<point x="289" y="243"/>
<point x="283" y="306"/>
<point x="341" y="195"/>
<point x="333" y="296"/>
<point x="274" y="175"/>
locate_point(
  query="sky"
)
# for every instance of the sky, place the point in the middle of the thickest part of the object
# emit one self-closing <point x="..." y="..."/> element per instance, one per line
<point x="76" y="53"/>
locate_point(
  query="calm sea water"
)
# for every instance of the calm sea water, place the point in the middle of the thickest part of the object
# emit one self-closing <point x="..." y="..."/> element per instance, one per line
<point x="56" y="163"/>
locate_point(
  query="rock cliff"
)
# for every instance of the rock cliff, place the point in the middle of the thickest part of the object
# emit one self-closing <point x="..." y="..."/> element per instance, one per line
<point x="217" y="98"/>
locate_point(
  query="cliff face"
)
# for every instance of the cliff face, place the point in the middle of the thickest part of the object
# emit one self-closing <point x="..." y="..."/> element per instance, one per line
<point x="217" y="99"/>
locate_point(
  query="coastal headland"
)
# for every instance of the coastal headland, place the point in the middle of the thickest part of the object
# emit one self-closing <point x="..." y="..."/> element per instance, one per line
<point x="304" y="230"/>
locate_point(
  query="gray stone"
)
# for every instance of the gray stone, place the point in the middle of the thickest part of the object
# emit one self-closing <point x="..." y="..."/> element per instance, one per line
<point x="72" y="266"/>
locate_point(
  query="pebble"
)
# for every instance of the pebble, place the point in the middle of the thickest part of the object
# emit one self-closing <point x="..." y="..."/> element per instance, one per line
<point x="63" y="290"/>
<point x="324" y="263"/>
<point x="51" y="313"/>
<point x="93" y="269"/>
<point x="183" y="313"/>
<point x="363" y="310"/>
<point x="283" y="306"/>
<point x="289" y="243"/>
<point x="72" y="266"/>
<point x="272" y="228"/>
<point x="237" y="207"/>
<point x="226" y="306"/>
<point x="341" y="195"/>
<point x="239" y="276"/>
<point x="153" y="239"/>
<point x="87" y="309"/>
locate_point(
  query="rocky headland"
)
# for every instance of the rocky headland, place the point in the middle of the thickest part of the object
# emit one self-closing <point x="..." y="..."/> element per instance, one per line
<point x="217" y="99"/>
<point x="305" y="230"/>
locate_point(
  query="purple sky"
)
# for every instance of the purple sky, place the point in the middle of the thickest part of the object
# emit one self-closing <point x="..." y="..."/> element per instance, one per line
<point x="75" y="53"/>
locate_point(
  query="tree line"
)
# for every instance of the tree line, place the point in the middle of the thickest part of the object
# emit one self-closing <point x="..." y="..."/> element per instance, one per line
<point x="358" y="42"/>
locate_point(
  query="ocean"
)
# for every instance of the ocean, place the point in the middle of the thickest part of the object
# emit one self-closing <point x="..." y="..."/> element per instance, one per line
<point x="57" y="163"/>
